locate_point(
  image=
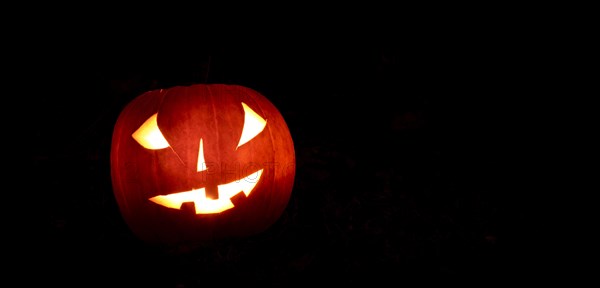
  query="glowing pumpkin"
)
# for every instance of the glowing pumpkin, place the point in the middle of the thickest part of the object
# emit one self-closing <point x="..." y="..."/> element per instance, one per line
<point x="201" y="162"/>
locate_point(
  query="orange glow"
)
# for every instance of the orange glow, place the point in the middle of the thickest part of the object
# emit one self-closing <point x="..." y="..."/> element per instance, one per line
<point x="205" y="205"/>
<point x="149" y="136"/>
<point x="253" y="124"/>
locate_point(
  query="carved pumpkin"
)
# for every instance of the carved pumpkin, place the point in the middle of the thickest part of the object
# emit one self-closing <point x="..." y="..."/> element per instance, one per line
<point x="201" y="162"/>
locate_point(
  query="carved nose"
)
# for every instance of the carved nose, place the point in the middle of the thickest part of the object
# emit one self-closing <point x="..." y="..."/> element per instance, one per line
<point x="201" y="160"/>
<point x="211" y="188"/>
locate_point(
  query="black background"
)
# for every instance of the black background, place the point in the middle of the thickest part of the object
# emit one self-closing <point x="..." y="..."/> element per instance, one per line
<point x="409" y="141"/>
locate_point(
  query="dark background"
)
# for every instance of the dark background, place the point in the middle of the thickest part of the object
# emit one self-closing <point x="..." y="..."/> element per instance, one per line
<point x="409" y="143"/>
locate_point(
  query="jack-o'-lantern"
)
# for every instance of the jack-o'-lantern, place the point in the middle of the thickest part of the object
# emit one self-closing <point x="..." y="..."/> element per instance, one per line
<point x="201" y="162"/>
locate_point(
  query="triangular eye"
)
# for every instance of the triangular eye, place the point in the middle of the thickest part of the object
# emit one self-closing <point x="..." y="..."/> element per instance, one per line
<point x="253" y="124"/>
<point x="149" y="136"/>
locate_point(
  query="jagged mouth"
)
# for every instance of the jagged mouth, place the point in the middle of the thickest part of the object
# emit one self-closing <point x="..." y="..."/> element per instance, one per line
<point x="204" y="205"/>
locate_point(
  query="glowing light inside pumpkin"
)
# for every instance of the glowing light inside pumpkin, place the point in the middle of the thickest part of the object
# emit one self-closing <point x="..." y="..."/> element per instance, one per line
<point x="253" y="124"/>
<point x="204" y="205"/>
<point x="149" y="136"/>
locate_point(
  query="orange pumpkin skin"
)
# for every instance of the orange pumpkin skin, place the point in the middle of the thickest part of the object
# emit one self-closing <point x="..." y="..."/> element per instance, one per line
<point x="202" y="124"/>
